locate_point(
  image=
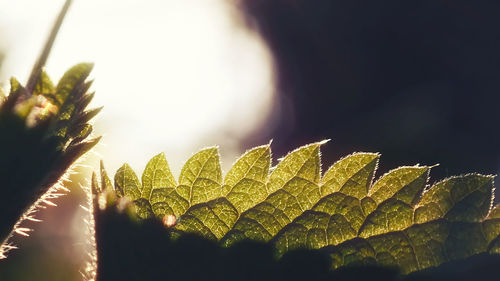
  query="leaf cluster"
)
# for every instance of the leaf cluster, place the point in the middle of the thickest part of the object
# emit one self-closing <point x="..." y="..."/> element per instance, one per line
<point x="397" y="221"/>
<point x="43" y="131"/>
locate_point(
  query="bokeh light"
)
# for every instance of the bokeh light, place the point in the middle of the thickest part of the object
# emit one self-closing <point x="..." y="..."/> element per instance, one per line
<point x="174" y="76"/>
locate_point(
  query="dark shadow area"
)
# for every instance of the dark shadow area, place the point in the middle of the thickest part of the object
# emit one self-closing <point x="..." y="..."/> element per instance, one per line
<point x="27" y="160"/>
<point x="414" y="80"/>
<point x="133" y="251"/>
<point x="478" y="267"/>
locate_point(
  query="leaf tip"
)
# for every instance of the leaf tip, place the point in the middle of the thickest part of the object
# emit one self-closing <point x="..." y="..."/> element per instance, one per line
<point x="323" y="141"/>
<point x="270" y="142"/>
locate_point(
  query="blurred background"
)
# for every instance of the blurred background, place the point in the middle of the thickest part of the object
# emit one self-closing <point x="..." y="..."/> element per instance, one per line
<point x="416" y="81"/>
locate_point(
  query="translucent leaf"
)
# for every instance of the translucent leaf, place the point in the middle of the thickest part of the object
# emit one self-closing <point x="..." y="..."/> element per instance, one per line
<point x="245" y="183"/>
<point x="464" y="198"/>
<point x="76" y="74"/>
<point x="351" y="175"/>
<point x="396" y="193"/>
<point x="127" y="182"/>
<point x="201" y="177"/>
<point x="301" y="163"/>
<point x="295" y="185"/>
<point x="418" y="247"/>
<point x="342" y="214"/>
<point x="156" y="175"/>
<point x="212" y="219"/>
<point x="389" y="216"/>
<point x="396" y="221"/>
<point x="166" y="201"/>
<point x="405" y="184"/>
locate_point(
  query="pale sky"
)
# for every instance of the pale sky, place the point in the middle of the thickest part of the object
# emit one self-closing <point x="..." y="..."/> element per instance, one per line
<point x="174" y="76"/>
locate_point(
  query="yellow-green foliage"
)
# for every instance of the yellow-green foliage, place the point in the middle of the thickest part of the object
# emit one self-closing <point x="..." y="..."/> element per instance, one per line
<point x="398" y="220"/>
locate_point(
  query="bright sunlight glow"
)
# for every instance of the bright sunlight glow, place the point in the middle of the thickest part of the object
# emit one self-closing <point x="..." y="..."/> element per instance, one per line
<point x="173" y="75"/>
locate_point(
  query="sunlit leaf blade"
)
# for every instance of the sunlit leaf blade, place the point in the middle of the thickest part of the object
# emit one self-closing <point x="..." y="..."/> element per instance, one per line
<point x="75" y="75"/>
<point x="314" y="230"/>
<point x="166" y="201"/>
<point x="301" y="163"/>
<point x="389" y="216"/>
<point x="244" y="186"/>
<point x="245" y="183"/>
<point x="418" y="247"/>
<point x="396" y="192"/>
<point x="405" y="184"/>
<point x="295" y="183"/>
<point x="337" y="217"/>
<point x="466" y="198"/>
<point x="127" y="182"/>
<point x="156" y="175"/>
<point x="395" y="221"/>
<point x="201" y="177"/>
<point x="351" y="175"/>
<point x="212" y="219"/>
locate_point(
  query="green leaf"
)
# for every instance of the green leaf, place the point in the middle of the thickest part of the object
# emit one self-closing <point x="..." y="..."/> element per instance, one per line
<point x="244" y="186"/>
<point x="245" y="183"/>
<point x="166" y="201"/>
<point x="338" y="216"/>
<point x="396" y="194"/>
<point x="212" y="219"/>
<point x="127" y="182"/>
<point x="396" y="221"/>
<point x="418" y="247"/>
<point x="75" y="75"/>
<point x="201" y="177"/>
<point x="351" y="175"/>
<point x="156" y="175"/>
<point x="405" y="184"/>
<point x="295" y="187"/>
<point x="466" y="198"/>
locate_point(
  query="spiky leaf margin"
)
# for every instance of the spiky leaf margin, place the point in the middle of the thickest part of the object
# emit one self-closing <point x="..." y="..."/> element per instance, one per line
<point x="398" y="220"/>
<point x="43" y="133"/>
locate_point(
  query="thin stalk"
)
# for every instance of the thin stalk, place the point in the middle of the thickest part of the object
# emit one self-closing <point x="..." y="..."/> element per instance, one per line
<point x="42" y="59"/>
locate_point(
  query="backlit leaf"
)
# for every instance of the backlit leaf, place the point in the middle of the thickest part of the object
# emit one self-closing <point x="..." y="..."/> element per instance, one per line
<point x="156" y="175"/>
<point x="201" y="177"/>
<point x="127" y="182"/>
<point x="398" y="220"/>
